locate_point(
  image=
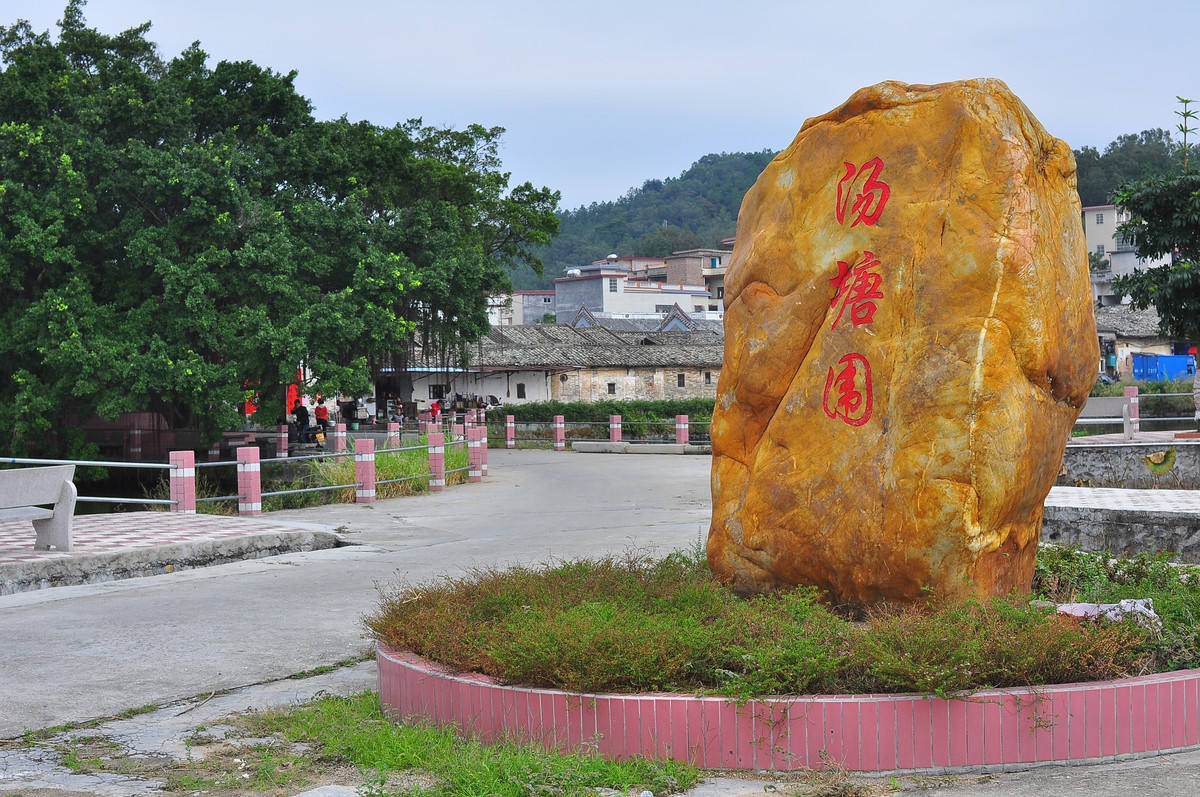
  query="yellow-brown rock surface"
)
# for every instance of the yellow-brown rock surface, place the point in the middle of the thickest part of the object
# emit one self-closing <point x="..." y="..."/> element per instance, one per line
<point x="909" y="338"/>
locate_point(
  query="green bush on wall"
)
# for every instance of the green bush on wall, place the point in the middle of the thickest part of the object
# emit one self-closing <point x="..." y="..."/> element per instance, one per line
<point x="698" y="409"/>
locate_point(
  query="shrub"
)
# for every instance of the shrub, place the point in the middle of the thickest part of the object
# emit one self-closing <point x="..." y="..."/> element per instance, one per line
<point x="635" y="624"/>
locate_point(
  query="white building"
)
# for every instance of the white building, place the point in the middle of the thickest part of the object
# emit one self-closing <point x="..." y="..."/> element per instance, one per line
<point x="1100" y="224"/>
<point x="608" y="291"/>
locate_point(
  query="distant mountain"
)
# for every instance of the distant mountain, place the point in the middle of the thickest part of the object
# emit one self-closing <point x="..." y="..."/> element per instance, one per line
<point x="695" y="209"/>
<point x="700" y="206"/>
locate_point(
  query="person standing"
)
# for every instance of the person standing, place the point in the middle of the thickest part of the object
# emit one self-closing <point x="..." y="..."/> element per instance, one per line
<point x="301" y="413"/>
<point x="321" y="413"/>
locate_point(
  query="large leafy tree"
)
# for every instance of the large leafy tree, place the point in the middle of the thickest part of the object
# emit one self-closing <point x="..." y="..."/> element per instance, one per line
<point x="1132" y="156"/>
<point x="1165" y="221"/>
<point x="174" y="235"/>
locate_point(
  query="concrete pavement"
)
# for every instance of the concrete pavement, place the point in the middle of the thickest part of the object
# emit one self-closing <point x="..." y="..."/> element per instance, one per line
<point x="79" y="652"/>
<point x="82" y="652"/>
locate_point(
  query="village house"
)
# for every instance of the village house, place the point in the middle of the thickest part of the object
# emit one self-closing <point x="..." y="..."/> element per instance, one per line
<point x="543" y="362"/>
<point x="1124" y="331"/>
<point x="1100" y="224"/>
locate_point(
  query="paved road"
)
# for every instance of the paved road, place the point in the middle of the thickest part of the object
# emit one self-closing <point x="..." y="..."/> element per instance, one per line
<point x="75" y="653"/>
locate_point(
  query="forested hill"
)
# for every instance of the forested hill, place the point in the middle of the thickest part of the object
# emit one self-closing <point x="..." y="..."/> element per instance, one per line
<point x="697" y="208"/>
<point x="700" y="206"/>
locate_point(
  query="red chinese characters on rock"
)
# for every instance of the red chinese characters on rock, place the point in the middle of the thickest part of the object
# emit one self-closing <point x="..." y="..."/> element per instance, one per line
<point x="862" y="193"/>
<point x="848" y="390"/>
<point x="861" y="197"/>
<point x="857" y="288"/>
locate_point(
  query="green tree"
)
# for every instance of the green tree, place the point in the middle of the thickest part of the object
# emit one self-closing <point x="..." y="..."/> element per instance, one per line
<point x="173" y="236"/>
<point x="1130" y="157"/>
<point x="1165" y="221"/>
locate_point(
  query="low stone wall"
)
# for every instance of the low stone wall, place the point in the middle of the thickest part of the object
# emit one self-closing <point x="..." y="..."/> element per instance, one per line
<point x="1124" y="532"/>
<point x="1108" y="465"/>
<point x="990" y="730"/>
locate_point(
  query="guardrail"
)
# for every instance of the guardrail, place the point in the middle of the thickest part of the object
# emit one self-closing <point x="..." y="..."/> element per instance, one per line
<point x="100" y="464"/>
<point x="182" y="469"/>
<point x="684" y="431"/>
<point x="1131" y="417"/>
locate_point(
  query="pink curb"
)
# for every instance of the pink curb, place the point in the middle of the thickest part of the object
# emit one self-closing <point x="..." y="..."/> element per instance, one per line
<point x="990" y="730"/>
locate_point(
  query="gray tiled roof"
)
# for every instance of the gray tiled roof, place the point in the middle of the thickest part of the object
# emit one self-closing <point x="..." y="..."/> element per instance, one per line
<point x="560" y="346"/>
<point x="1124" y="321"/>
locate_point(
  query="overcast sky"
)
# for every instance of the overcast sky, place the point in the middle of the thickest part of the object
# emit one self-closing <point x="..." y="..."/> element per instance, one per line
<point x="597" y="97"/>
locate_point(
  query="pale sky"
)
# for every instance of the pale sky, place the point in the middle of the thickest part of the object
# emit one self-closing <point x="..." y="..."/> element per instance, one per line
<point x="597" y="97"/>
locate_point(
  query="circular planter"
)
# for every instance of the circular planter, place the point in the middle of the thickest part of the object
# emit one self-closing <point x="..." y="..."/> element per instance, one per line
<point x="993" y="729"/>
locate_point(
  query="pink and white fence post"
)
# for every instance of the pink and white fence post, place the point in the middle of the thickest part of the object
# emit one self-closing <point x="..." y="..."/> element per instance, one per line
<point x="560" y="433"/>
<point x="183" y="481"/>
<point x="474" y="467"/>
<point x="681" y="430"/>
<point x="1131" y="395"/>
<point x="437" y="462"/>
<point x="249" y="481"/>
<point x="364" y="470"/>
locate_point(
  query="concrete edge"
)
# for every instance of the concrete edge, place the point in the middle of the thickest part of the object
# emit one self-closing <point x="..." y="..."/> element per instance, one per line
<point x="156" y="560"/>
<point x="607" y="447"/>
<point x="990" y="730"/>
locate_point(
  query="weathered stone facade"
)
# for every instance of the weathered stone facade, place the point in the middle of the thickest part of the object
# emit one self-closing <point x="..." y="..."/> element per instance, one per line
<point x="635" y="383"/>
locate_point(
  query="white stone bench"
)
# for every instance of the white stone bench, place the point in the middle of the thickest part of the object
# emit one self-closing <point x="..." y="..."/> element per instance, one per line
<point x="23" y="489"/>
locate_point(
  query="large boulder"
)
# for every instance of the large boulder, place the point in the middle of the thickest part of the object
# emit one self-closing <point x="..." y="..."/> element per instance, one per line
<point x="909" y="338"/>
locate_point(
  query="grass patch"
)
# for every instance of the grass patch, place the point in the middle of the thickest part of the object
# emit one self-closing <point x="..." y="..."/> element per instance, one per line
<point x="354" y="731"/>
<point x="636" y="624"/>
<point x="349" y="741"/>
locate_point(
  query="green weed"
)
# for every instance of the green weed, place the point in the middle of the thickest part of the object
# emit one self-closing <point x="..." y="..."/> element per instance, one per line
<point x="635" y="624"/>
<point x="354" y="731"/>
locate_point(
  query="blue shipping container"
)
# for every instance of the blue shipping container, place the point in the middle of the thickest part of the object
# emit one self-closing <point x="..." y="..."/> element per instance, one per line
<point x="1163" y="366"/>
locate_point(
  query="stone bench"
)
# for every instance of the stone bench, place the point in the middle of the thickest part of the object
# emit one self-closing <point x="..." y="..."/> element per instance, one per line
<point x="23" y="489"/>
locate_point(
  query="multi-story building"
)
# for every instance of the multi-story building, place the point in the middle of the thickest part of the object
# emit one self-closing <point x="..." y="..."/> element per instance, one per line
<point x="608" y="290"/>
<point x="1100" y="224"/>
<point x="533" y="307"/>
<point x="690" y="267"/>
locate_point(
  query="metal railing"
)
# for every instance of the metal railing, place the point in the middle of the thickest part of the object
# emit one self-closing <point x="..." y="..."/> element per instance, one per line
<point x="95" y="463"/>
<point x="160" y="466"/>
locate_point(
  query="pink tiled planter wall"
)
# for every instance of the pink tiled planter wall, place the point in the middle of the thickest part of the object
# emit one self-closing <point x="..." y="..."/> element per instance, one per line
<point x="1000" y="729"/>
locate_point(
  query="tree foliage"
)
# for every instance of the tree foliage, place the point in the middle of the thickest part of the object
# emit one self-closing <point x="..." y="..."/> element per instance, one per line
<point x="174" y="235"/>
<point x="1131" y="157"/>
<point x="1165" y="220"/>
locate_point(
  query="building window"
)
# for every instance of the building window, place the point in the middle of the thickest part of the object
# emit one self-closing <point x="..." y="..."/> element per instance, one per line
<point x="612" y="285"/>
<point x="708" y="377"/>
<point x="679" y="380"/>
<point x="1099" y="218"/>
<point x="612" y="388"/>
<point x="699" y="308"/>
<point x="520" y="390"/>
<point x="720" y="291"/>
<point x="1099" y="249"/>
<point x="547" y="299"/>
<point x="716" y="261"/>
<point x="438" y="391"/>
